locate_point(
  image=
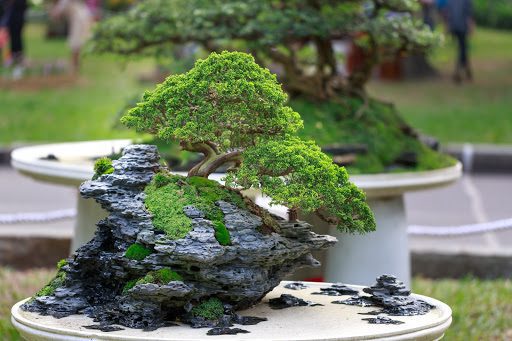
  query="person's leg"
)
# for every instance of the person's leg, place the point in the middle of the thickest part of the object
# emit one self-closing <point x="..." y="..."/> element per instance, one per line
<point x="460" y="56"/>
<point x="464" y="59"/>
<point x="75" y="61"/>
<point x="15" y="34"/>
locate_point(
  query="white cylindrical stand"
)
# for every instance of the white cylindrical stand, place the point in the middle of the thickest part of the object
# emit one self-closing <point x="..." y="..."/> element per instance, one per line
<point x="89" y="212"/>
<point x="358" y="258"/>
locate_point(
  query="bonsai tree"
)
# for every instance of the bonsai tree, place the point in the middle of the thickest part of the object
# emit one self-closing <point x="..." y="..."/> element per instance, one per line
<point x="297" y="39"/>
<point x="233" y="112"/>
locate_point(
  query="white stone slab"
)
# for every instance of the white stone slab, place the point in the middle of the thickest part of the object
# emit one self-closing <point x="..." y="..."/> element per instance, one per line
<point x="328" y="322"/>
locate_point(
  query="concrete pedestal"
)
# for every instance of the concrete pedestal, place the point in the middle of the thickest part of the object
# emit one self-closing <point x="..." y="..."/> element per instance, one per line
<point x="357" y="258"/>
<point x="327" y="322"/>
<point x="89" y="212"/>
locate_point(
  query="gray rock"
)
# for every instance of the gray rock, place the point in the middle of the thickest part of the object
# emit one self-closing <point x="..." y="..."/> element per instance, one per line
<point x="239" y="274"/>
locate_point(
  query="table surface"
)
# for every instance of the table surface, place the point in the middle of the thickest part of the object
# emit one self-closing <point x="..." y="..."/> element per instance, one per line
<point x="327" y="322"/>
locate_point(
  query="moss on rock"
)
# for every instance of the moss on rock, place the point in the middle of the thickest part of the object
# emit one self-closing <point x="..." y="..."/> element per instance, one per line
<point x="102" y="166"/>
<point x="161" y="276"/>
<point x="167" y="195"/>
<point x="137" y="252"/>
<point x="221" y="233"/>
<point x="211" y="309"/>
<point x="56" y="282"/>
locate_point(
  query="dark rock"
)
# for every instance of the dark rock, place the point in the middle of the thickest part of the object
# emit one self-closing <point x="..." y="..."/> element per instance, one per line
<point x="296" y="286"/>
<point x="248" y="320"/>
<point x="226" y="331"/>
<point x="362" y="301"/>
<point x="381" y="319"/>
<point x="288" y="301"/>
<point x="395" y="299"/>
<point x="239" y="274"/>
<point x="49" y="157"/>
<point x="104" y="328"/>
<point x="336" y="289"/>
<point x="406" y="159"/>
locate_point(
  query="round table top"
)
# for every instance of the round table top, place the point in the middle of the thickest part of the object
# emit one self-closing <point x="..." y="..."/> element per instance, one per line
<point x="327" y="322"/>
<point x="76" y="166"/>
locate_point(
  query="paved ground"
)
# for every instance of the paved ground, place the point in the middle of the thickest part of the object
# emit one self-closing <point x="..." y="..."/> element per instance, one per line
<point x="474" y="199"/>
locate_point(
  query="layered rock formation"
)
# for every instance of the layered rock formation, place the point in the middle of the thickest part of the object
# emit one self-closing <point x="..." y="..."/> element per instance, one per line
<point x="171" y="279"/>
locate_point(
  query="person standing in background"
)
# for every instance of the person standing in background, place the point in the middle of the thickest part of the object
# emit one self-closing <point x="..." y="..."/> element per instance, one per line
<point x="80" y="23"/>
<point x="11" y="26"/>
<point x="459" y="19"/>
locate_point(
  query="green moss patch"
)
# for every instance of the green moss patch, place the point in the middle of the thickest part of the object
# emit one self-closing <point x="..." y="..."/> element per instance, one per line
<point x="221" y="233"/>
<point x="55" y="283"/>
<point x="378" y="126"/>
<point x="102" y="166"/>
<point x="211" y="309"/>
<point x="137" y="252"/>
<point x="161" y="276"/>
<point x="167" y="195"/>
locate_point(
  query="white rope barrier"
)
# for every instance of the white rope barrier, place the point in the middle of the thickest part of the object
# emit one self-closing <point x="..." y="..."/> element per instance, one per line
<point x="420" y="230"/>
<point x="37" y="217"/>
<point x="461" y="229"/>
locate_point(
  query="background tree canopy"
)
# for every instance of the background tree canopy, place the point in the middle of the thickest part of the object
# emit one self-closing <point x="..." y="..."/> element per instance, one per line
<point x="300" y="41"/>
<point x="297" y="36"/>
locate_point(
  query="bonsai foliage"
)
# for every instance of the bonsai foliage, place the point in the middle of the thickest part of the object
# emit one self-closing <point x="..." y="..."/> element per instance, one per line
<point x="233" y="111"/>
<point x="296" y="35"/>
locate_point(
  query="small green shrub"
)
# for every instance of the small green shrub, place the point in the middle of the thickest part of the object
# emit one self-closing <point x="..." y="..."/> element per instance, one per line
<point x="211" y="309"/>
<point x="137" y="252"/>
<point x="102" y="166"/>
<point x="221" y="233"/>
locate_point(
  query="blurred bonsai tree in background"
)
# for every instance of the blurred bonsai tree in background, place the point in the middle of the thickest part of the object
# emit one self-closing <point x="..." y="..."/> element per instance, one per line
<point x="299" y="40"/>
<point x="233" y="111"/>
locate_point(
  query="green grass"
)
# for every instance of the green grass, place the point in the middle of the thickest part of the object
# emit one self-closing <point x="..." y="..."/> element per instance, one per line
<point x="85" y="110"/>
<point x="482" y="309"/>
<point x="478" y="112"/>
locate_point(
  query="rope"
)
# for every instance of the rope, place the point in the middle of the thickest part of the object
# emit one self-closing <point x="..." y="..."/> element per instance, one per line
<point x="460" y="230"/>
<point x="37" y="217"/>
<point x="419" y="230"/>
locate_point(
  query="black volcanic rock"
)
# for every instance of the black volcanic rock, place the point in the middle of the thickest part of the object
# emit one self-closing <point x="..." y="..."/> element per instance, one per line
<point x="288" y="301"/>
<point x="100" y="281"/>
<point x="337" y="289"/>
<point x="392" y="296"/>
<point x="296" y="286"/>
